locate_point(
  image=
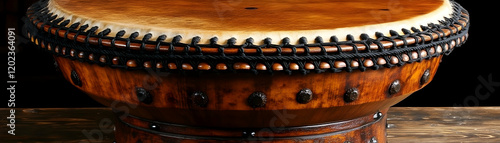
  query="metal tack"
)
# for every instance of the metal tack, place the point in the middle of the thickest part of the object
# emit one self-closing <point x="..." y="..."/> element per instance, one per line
<point x="395" y="87"/>
<point x="351" y="94"/>
<point x="75" y="78"/>
<point x="257" y="99"/>
<point x="425" y="77"/>
<point x="143" y="95"/>
<point x="199" y="98"/>
<point x="304" y="96"/>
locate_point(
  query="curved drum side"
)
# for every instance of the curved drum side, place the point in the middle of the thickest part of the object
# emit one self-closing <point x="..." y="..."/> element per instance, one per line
<point x="171" y="99"/>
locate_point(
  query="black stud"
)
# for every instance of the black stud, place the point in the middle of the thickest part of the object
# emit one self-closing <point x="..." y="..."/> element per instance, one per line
<point x="199" y="98"/>
<point x="304" y="96"/>
<point x="377" y="115"/>
<point x="56" y="66"/>
<point x="75" y="78"/>
<point x="154" y="126"/>
<point x="425" y="77"/>
<point x="143" y="95"/>
<point x="257" y="99"/>
<point x="395" y="87"/>
<point x="373" y="140"/>
<point x="247" y="134"/>
<point x="351" y="94"/>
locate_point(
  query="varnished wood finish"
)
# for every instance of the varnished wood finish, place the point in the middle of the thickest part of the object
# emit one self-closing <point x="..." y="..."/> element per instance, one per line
<point x="228" y="92"/>
<point x="406" y="125"/>
<point x="363" y="129"/>
<point x="219" y="106"/>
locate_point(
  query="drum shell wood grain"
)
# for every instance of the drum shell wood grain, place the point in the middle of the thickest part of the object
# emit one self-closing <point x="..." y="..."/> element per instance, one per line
<point x="363" y="129"/>
<point x="228" y="92"/>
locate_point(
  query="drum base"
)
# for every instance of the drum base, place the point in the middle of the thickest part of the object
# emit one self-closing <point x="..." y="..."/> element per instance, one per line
<point x="366" y="129"/>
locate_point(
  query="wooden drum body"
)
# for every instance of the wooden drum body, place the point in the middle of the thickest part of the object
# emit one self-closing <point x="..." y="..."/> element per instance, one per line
<point x="259" y="83"/>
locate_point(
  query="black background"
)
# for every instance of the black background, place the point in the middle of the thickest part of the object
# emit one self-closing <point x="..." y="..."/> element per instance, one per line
<point x="41" y="85"/>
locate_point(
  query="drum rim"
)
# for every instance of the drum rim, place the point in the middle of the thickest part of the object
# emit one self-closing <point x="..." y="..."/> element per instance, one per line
<point x="450" y="32"/>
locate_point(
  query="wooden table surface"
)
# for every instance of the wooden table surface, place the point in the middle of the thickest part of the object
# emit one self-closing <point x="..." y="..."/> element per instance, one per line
<point x="406" y="124"/>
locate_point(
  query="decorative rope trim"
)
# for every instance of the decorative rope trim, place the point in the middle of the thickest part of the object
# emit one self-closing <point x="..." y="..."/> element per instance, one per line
<point x="78" y="42"/>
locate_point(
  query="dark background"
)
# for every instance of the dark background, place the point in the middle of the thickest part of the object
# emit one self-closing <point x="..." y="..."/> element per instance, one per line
<point x="41" y="85"/>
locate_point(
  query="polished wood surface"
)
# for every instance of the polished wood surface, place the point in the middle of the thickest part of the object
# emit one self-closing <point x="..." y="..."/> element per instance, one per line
<point x="228" y="92"/>
<point x="245" y="100"/>
<point x="360" y="130"/>
<point x="406" y="125"/>
<point x="257" y="19"/>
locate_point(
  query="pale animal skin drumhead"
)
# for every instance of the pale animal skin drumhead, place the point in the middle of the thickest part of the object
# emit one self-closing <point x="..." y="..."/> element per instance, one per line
<point x="245" y="19"/>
